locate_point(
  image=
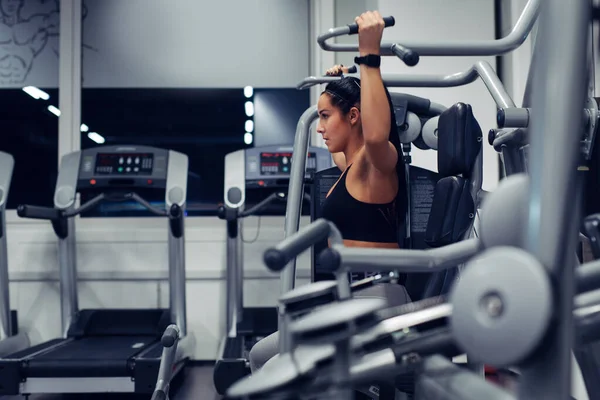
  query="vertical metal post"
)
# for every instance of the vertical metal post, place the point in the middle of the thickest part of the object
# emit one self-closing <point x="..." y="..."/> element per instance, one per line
<point x="558" y="89"/>
<point x="67" y="261"/>
<point x="240" y="272"/>
<point x="7" y="163"/>
<point x="231" y="282"/>
<point x="296" y="190"/>
<point x="177" y="281"/>
<point x="69" y="79"/>
<point x="5" y="319"/>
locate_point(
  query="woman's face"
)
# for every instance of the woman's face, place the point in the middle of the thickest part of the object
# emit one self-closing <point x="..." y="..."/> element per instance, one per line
<point x="335" y="127"/>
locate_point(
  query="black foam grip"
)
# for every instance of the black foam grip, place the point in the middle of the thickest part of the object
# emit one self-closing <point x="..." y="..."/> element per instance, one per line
<point x="491" y="136"/>
<point x="276" y="258"/>
<point x="176" y="220"/>
<point x="501" y="118"/>
<point x="352" y="69"/>
<point x="36" y="212"/>
<point x="170" y="336"/>
<point x="330" y="259"/>
<point x="409" y="57"/>
<point x="388" y="21"/>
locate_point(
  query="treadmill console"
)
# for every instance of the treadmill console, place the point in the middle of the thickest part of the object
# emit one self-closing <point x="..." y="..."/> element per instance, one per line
<point x="251" y="175"/>
<point x="271" y="165"/>
<point x="280" y="163"/>
<point x="123" y="167"/>
<point x="124" y="164"/>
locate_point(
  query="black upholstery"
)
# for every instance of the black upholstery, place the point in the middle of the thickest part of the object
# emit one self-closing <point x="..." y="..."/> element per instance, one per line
<point x="453" y="208"/>
<point x="451" y="212"/>
<point x="459" y="140"/>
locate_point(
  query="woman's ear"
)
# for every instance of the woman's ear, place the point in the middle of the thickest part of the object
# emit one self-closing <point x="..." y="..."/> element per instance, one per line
<point x="354" y="115"/>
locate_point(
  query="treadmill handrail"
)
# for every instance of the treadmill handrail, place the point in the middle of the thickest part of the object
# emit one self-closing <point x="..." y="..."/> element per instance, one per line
<point x="52" y="213"/>
<point x="261" y="205"/>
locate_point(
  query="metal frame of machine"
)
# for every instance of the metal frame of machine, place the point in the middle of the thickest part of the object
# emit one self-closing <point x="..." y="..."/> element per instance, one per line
<point x="483" y="323"/>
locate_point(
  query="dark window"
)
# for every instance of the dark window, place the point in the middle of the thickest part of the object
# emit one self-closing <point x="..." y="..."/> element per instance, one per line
<point x="30" y="134"/>
<point x="205" y="124"/>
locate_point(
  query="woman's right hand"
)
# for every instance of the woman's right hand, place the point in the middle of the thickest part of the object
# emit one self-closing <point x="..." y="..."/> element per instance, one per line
<point x="336" y="70"/>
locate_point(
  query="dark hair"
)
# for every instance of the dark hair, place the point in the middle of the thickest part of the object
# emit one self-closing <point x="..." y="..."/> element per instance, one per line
<point x="345" y="94"/>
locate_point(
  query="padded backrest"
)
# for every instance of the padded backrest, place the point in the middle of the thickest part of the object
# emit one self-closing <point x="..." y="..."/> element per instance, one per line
<point x="452" y="211"/>
<point x="459" y="140"/>
<point x="453" y="207"/>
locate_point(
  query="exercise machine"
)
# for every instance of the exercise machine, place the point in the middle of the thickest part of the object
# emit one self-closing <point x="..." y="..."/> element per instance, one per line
<point x="538" y="246"/>
<point x="255" y="183"/>
<point x="107" y="350"/>
<point x="11" y="339"/>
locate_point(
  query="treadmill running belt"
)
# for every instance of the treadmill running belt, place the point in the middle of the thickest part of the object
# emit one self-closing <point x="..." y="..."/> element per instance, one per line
<point x="90" y="357"/>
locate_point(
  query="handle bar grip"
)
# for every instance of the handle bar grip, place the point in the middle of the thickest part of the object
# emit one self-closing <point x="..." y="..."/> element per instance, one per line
<point x="388" y="21"/>
<point x="37" y="212"/>
<point x="352" y="69"/>
<point x="170" y="336"/>
<point x="276" y="258"/>
<point x="408" y="56"/>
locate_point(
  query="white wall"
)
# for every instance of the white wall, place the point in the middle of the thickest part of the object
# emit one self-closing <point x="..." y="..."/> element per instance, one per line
<point x="157" y="43"/>
<point x="183" y="43"/>
<point x="437" y="20"/>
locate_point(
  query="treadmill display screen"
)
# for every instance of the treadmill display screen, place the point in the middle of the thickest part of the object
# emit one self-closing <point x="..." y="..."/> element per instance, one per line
<point x="280" y="163"/>
<point x="124" y="163"/>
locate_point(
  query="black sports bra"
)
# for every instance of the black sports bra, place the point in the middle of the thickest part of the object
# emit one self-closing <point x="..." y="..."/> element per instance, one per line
<point x="357" y="220"/>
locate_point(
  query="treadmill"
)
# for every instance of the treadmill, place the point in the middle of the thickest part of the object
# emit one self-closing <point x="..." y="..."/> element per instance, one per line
<point x="256" y="183"/>
<point x="107" y="350"/>
<point x="10" y="338"/>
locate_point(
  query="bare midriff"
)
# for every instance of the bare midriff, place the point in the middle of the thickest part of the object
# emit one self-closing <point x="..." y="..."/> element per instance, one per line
<point x="360" y="243"/>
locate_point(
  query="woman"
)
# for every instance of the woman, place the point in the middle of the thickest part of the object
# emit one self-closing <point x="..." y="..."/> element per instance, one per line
<point x="368" y="201"/>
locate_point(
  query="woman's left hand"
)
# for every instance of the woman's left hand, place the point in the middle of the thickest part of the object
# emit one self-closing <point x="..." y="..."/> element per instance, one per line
<point x="370" y="31"/>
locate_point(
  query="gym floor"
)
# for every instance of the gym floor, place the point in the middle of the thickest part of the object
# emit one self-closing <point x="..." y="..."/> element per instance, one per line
<point x="197" y="384"/>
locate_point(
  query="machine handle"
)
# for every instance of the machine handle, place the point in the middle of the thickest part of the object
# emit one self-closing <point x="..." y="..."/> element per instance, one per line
<point x="170" y="336"/>
<point x="149" y="206"/>
<point x="276" y="258"/>
<point x="408" y="56"/>
<point x="353" y="28"/>
<point x="314" y="80"/>
<point x="176" y="220"/>
<point x="37" y="212"/>
<point x="271" y="198"/>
